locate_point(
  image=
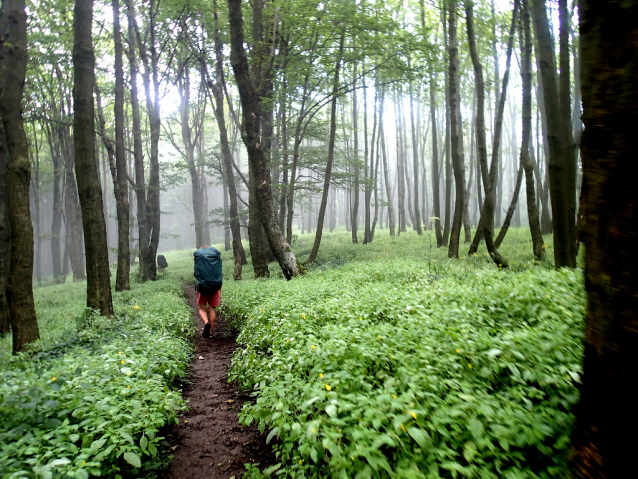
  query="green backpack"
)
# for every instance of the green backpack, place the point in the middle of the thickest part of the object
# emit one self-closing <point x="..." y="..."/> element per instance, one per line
<point x="208" y="270"/>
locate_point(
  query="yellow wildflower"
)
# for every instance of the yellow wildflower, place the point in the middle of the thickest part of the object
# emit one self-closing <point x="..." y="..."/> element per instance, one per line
<point x="378" y="337"/>
<point x="469" y="365"/>
<point x="458" y="351"/>
<point x="328" y="387"/>
<point x="53" y="379"/>
<point x="403" y="427"/>
<point x="300" y="461"/>
<point x="128" y="386"/>
<point x="303" y="316"/>
<point x="393" y="396"/>
<point x="320" y="375"/>
<point x="313" y="346"/>
<point x="313" y="430"/>
<point x="413" y="414"/>
<point x="136" y="307"/>
<point x="120" y="352"/>
<point x="123" y="361"/>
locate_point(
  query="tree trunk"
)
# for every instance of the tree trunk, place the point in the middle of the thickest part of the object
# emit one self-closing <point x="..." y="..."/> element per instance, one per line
<point x="488" y="206"/>
<point x="415" y="166"/>
<point x="13" y="64"/>
<point x="354" y="224"/>
<point x="526" y="161"/>
<point x="606" y="416"/>
<point x="388" y="188"/>
<point x="251" y="116"/>
<point x="494" y="177"/>
<point x="510" y="211"/>
<point x="5" y="229"/>
<point x="98" y="286"/>
<point x="120" y="182"/>
<point x="559" y="151"/>
<point x="331" y="150"/>
<point x="456" y="137"/>
<point x="400" y="165"/>
<point x="140" y="182"/>
<point x="436" y="202"/>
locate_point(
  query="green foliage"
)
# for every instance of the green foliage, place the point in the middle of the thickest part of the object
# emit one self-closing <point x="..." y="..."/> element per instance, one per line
<point x="94" y="395"/>
<point x="369" y="365"/>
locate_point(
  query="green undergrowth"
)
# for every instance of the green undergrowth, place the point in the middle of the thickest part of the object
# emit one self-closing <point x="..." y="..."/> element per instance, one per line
<point x="389" y="360"/>
<point x="93" y="395"/>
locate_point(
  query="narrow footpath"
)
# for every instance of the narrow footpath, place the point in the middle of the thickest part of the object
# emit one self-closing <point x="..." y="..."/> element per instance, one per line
<point x="209" y="442"/>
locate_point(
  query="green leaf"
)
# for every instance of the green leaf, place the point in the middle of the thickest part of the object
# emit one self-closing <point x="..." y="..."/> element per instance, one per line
<point x="421" y="437"/>
<point x="133" y="459"/>
<point x="272" y="434"/>
<point x="476" y="427"/>
<point x="331" y="410"/>
<point x="143" y="443"/>
<point x="313" y="454"/>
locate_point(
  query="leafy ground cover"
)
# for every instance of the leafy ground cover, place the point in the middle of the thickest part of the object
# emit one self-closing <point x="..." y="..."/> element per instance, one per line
<point x="92" y="397"/>
<point x="389" y="360"/>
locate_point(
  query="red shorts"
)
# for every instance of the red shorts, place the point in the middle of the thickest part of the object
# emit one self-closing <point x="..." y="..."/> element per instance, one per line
<point x="212" y="299"/>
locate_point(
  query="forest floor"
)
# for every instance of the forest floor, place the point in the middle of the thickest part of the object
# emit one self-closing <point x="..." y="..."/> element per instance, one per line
<point x="209" y="442"/>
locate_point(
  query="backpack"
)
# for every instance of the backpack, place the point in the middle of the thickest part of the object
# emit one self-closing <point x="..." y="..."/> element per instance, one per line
<point x="208" y="270"/>
<point x="161" y="261"/>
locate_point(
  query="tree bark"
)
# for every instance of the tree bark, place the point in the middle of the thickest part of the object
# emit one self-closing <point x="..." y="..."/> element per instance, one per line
<point x="13" y="65"/>
<point x="415" y="166"/>
<point x="488" y="206"/>
<point x="456" y="136"/>
<point x="436" y="177"/>
<point x="354" y="224"/>
<point x="510" y="210"/>
<point x="98" y="286"/>
<point x="606" y="416"/>
<point x="557" y="138"/>
<point x="5" y="229"/>
<point x="494" y="177"/>
<point x="526" y="160"/>
<point x="120" y="181"/>
<point x="251" y="116"/>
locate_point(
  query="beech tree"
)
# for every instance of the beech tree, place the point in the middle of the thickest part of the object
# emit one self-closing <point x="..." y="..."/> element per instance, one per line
<point x="13" y="65"/>
<point x="98" y="286"/>
<point x="606" y="417"/>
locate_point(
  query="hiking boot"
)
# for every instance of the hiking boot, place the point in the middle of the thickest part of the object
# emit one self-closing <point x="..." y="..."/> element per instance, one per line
<point x="206" y="333"/>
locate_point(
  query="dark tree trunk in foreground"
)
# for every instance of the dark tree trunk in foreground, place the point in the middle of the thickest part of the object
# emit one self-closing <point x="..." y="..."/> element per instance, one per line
<point x="526" y="160"/>
<point x="512" y="208"/>
<point x="603" y="442"/>
<point x="557" y="138"/>
<point x="456" y="136"/>
<point x="354" y="222"/>
<point x="13" y="65"/>
<point x="251" y="115"/>
<point x="98" y="286"/>
<point x="5" y="232"/>
<point x="331" y="151"/>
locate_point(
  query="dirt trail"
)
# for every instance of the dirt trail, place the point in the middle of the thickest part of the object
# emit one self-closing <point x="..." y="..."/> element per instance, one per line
<point x="209" y="442"/>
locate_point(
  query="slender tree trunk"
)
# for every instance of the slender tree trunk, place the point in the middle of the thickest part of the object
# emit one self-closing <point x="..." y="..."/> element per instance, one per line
<point x="331" y="150"/>
<point x="456" y="138"/>
<point x="436" y="201"/>
<point x="526" y="161"/>
<point x="73" y="226"/>
<point x="400" y="166"/>
<point x="494" y="177"/>
<point x="354" y="224"/>
<point x="488" y="206"/>
<point x="415" y="166"/>
<point x="140" y="182"/>
<point x="557" y="140"/>
<point x="606" y="415"/>
<point x="448" y="162"/>
<point x="13" y="64"/>
<point x="510" y="211"/>
<point x="251" y="116"/>
<point x="98" y="286"/>
<point x="388" y="189"/>
<point x="120" y="182"/>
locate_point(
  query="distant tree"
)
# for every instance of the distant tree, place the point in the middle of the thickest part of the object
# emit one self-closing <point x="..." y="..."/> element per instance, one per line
<point x="98" y="287"/>
<point x="603" y="442"/>
<point x="5" y="232"/>
<point x="13" y="65"/>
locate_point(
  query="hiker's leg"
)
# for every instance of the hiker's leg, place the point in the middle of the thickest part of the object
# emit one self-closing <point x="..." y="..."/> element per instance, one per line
<point x="214" y="302"/>
<point x="202" y="301"/>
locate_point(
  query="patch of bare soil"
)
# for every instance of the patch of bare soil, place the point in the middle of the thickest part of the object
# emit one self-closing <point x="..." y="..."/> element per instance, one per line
<point x="209" y="442"/>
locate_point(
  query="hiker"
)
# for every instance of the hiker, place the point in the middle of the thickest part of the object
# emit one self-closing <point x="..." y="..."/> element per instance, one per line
<point x="161" y="264"/>
<point x="208" y="277"/>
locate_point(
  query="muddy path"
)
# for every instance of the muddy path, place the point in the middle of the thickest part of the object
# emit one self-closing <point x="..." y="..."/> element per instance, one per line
<point x="209" y="442"/>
